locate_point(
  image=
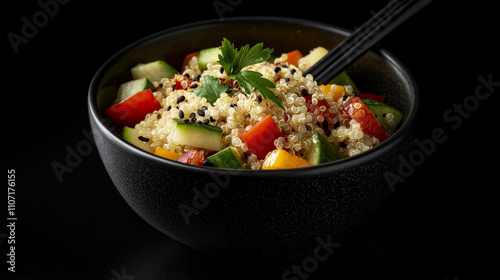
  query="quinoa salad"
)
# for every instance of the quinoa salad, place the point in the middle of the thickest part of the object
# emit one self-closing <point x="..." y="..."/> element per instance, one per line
<point x="224" y="110"/>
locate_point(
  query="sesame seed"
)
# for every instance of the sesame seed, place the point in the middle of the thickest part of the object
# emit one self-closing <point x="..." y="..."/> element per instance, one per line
<point x="142" y="138"/>
<point x="180" y="99"/>
<point x="181" y="114"/>
<point x="325" y="128"/>
<point x="201" y="113"/>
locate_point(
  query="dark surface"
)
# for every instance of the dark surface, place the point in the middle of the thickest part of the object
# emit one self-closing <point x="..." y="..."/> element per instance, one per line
<point x="441" y="223"/>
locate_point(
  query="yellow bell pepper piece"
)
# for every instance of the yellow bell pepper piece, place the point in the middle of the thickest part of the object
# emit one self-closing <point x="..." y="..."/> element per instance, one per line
<point x="166" y="153"/>
<point x="281" y="159"/>
<point x="337" y="90"/>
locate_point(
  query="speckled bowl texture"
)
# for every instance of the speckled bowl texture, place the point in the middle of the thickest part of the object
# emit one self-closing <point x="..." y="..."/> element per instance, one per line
<point x="252" y="216"/>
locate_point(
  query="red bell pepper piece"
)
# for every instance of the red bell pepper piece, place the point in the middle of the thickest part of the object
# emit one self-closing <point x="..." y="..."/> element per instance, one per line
<point x="376" y="97"/>
<point x="355" y="109"/>
<point x="132" y="110"/>
<point x="193" y="157"/>
<point x="260" y="138"/>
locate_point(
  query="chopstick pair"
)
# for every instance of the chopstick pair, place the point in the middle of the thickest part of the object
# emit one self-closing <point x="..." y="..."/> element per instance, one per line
<point x="363" y="38"/>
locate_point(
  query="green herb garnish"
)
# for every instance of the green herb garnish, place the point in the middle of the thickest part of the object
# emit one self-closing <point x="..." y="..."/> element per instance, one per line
<point x="233" y="61"/>
<point x="211" y="89"/>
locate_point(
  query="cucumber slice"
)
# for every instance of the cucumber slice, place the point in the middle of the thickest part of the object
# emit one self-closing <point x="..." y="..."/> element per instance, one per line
<point x="197" y="135"/>
<point x="132" y="136"/>
<point x="227" y="158"/>
<point x="130" y="88"/>
<point x="207" y="56"/>
<point x="344" y="79"/>
<point x="154" y="71"/>
<point x="322" y="151"/>
<point x="314" y="56"/>
<point x="382" y="111"/>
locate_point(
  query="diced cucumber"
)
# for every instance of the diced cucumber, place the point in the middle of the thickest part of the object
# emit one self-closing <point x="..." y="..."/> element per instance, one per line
<point x="197" y="135"/>
<point x="132" y="136"/>
<point x="344" y="79"/>
<point x="207" y="56"/>
<point x="227" y="158"/>
<point x="130" y="88"/>
<point x="154" y="71"/>
<point x="381" y="111"/>
<point x="322" y="151"/>
<point x="314" y="56"/>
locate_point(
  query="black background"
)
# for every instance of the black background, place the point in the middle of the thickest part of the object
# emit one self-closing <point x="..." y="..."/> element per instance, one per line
<point x="441" y="223"/>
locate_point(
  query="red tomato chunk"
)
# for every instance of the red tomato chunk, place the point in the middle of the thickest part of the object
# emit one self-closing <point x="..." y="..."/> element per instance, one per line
<point x="355" y="109"/>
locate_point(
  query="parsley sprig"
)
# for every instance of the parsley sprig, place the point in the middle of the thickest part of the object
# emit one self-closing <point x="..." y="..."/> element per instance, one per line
<point x="211" y="89"/>
<point x="233" y="61"/>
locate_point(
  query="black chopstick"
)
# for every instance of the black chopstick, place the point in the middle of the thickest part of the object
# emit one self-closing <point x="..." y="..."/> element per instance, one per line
<point x="363" y="38"/>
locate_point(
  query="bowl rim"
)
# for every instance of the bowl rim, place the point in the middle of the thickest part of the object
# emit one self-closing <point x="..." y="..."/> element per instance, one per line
<point x="331" y="167"/>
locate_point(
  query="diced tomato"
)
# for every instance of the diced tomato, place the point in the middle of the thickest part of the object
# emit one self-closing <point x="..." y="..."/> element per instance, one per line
<point x="228" y="82"/>
<point x="178" y="84"/>
<point x="192" y="157"/>
<point x="355" y="109"/>
<point x="376" y="97"/>
<point x="260" y="137"/>
<point x="311" y="107"/>
<point x="132" y="110"/>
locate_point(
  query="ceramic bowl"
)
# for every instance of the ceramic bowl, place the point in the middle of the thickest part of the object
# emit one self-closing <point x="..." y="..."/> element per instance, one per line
<point x="253" y="216"/>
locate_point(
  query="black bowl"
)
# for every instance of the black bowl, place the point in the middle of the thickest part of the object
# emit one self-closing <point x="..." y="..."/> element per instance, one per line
<point x="253" y="216"/>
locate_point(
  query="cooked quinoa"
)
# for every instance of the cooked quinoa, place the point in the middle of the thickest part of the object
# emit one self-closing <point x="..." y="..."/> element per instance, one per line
<point x="233" y="113"/>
